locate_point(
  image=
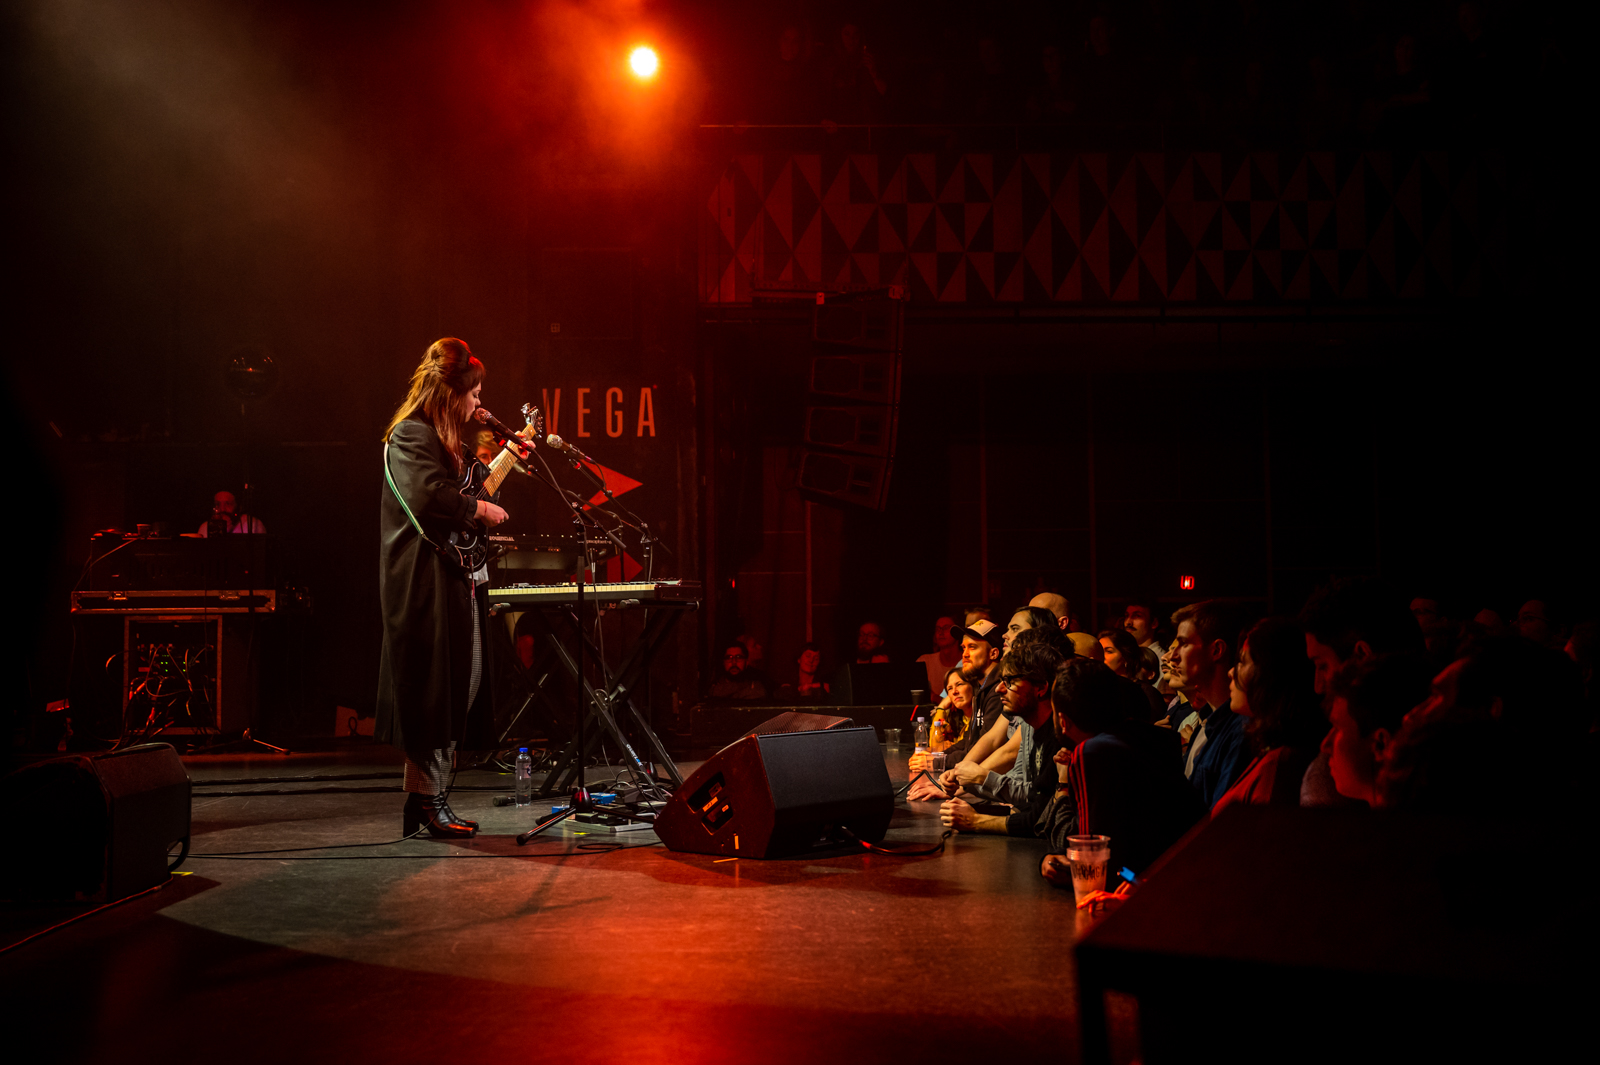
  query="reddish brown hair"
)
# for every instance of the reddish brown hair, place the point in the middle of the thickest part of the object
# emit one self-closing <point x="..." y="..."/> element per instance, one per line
<point x="448" y="371"/>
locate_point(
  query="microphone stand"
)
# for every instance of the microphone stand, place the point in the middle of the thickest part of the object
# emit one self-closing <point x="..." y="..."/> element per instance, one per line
<point x="580" y="801"/>
<point x="647" y="539"/>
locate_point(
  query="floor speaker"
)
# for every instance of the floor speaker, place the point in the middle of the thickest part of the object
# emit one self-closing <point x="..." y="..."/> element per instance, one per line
<point x="100" y="825"/>
<point x="778" y="794"/>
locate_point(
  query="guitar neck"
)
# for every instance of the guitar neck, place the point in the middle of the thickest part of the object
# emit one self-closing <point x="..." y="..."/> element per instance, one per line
<point x="499" y="470"/>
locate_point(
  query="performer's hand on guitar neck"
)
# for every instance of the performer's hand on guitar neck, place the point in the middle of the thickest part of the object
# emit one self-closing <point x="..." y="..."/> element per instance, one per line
<point x="490" y="514"/>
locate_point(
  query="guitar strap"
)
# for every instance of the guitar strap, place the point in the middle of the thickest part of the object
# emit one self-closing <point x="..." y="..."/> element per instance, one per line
<point x="389" y="477"/>
<point x="415" y="524"/>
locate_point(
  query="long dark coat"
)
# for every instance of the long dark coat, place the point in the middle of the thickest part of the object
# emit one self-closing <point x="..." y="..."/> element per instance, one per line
<point x="426" y="662"/>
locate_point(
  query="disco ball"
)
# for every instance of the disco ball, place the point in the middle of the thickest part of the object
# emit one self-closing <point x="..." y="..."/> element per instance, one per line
<point x="251" y="374"/>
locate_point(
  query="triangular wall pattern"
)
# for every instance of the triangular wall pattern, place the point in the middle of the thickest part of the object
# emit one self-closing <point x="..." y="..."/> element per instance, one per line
<point x="1195" y="229"/>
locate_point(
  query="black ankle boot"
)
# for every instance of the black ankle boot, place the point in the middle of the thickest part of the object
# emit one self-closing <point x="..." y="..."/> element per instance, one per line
<point x="423" y="811"/>
<point x="452" y="817"/>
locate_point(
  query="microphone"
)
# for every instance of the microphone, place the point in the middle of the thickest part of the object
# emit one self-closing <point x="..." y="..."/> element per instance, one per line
<point x="561" y="445"/>
<point x="482" y="415"/>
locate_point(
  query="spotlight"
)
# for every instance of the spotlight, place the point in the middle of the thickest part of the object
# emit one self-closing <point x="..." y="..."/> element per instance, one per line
<point x="644" y="62"/>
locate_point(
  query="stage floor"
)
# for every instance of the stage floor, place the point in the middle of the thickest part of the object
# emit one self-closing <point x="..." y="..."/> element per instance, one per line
<point x="481" y="950"/>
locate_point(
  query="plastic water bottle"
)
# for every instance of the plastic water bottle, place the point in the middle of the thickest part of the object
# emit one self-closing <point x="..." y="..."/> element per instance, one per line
<point x="524" y="777"/>
<point x="922" y="736"/>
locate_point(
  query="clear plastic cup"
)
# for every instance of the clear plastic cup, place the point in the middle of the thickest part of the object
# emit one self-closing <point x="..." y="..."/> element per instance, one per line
<point x="1089" y="857"/>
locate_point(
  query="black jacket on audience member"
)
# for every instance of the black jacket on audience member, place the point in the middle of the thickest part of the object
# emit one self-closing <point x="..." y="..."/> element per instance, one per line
<point x="1128" y="785"/>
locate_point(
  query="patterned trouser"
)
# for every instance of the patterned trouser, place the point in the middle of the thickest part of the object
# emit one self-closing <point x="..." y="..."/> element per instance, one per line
<point x="430" y="777"/>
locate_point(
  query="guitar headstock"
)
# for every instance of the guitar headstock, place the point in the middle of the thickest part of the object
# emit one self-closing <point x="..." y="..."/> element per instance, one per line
<point x="534" y="430"/>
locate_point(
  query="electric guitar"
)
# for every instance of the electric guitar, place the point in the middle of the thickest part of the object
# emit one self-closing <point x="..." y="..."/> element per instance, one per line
<point x="472" y="550"/>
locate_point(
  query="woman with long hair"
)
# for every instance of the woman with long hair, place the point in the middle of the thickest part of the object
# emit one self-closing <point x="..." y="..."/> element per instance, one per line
<point x="949" y="730"/>
<point x="433" y="680"/>
<point x="1124" y="659"/>
<point x="1273" y="686"/>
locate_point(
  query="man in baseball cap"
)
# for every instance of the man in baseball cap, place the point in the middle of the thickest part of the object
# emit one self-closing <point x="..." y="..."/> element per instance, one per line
<point x="982" y="645"/>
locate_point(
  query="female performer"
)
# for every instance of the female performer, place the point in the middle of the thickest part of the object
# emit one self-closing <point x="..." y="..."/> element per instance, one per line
<point x="433" y="680"/>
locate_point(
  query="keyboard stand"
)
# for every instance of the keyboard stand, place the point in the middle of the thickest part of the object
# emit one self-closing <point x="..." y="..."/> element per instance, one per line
<point x="604" y="707"/>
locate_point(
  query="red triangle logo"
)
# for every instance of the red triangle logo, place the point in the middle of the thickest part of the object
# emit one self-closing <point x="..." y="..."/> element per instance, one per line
<point x="617" y="482"/>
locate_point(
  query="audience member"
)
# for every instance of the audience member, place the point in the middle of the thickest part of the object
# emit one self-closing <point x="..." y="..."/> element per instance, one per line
<point x="1027" y="673"/>
<point x="950" y="731"/>
<point x="225" y="517"/>
<point x="1440" y="624"/>
<point x="982" y="645"/>
<point x="1149" y="666"/>
<point x="1349" y="618"/>
<point x="991" y="771"/>
<point x="1054" y="97"/>
<point x="1537" y="622"/>
<point x="1271" y="686"/>
<point x="976" y="613"/>
<point x="1029" y="617"/>
<point x="484" y="447"/>
<point x="869" y="644"/>
<point x="853" y="88"/>
<point x="1502" y="733"/>
<point x="788" y="92"/>
<point x="944" y="657"/>
<point x="1107" y="86"/>
<point x="809" y="687"/>
<point x="993" y="93"/>
<point x="1058" y="605"/>
<point x="1086" y="646"/>
<point x="755" y="658"/>
<point x="1115" y="775"/>
<point x="1400" y="113"/>
<point x="731" y="682"/>
<point x="1124" y="657"/>
<point x="1202" y="653"/>
<point x="1370" y="698"/>
<point x="1140" y="621"/>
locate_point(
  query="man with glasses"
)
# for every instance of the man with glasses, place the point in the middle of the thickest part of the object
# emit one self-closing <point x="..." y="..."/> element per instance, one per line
<point x="1026" y="674"/>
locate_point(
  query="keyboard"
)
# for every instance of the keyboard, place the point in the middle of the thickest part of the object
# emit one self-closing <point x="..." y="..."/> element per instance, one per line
<point x="644" y="592"/>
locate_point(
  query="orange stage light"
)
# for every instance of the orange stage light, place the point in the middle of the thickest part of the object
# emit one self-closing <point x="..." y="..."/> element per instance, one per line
<point x="644" y="62"/>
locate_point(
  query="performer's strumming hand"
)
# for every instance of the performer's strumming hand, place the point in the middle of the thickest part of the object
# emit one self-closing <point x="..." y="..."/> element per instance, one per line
<point x="490" y="514"/>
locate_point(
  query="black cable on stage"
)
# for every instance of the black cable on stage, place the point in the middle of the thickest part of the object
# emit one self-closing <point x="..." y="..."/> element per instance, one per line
<point x="877" y="849"/>
<point x="390" y="790"/>
<point x="592" y="846"/>
<point x="315" y="778"/>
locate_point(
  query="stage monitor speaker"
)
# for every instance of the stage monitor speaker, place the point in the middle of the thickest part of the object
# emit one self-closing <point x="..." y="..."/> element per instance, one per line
<point x="101" y="824"/>
<point x="781" y="794"/>
<point x="795" y="721"/>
